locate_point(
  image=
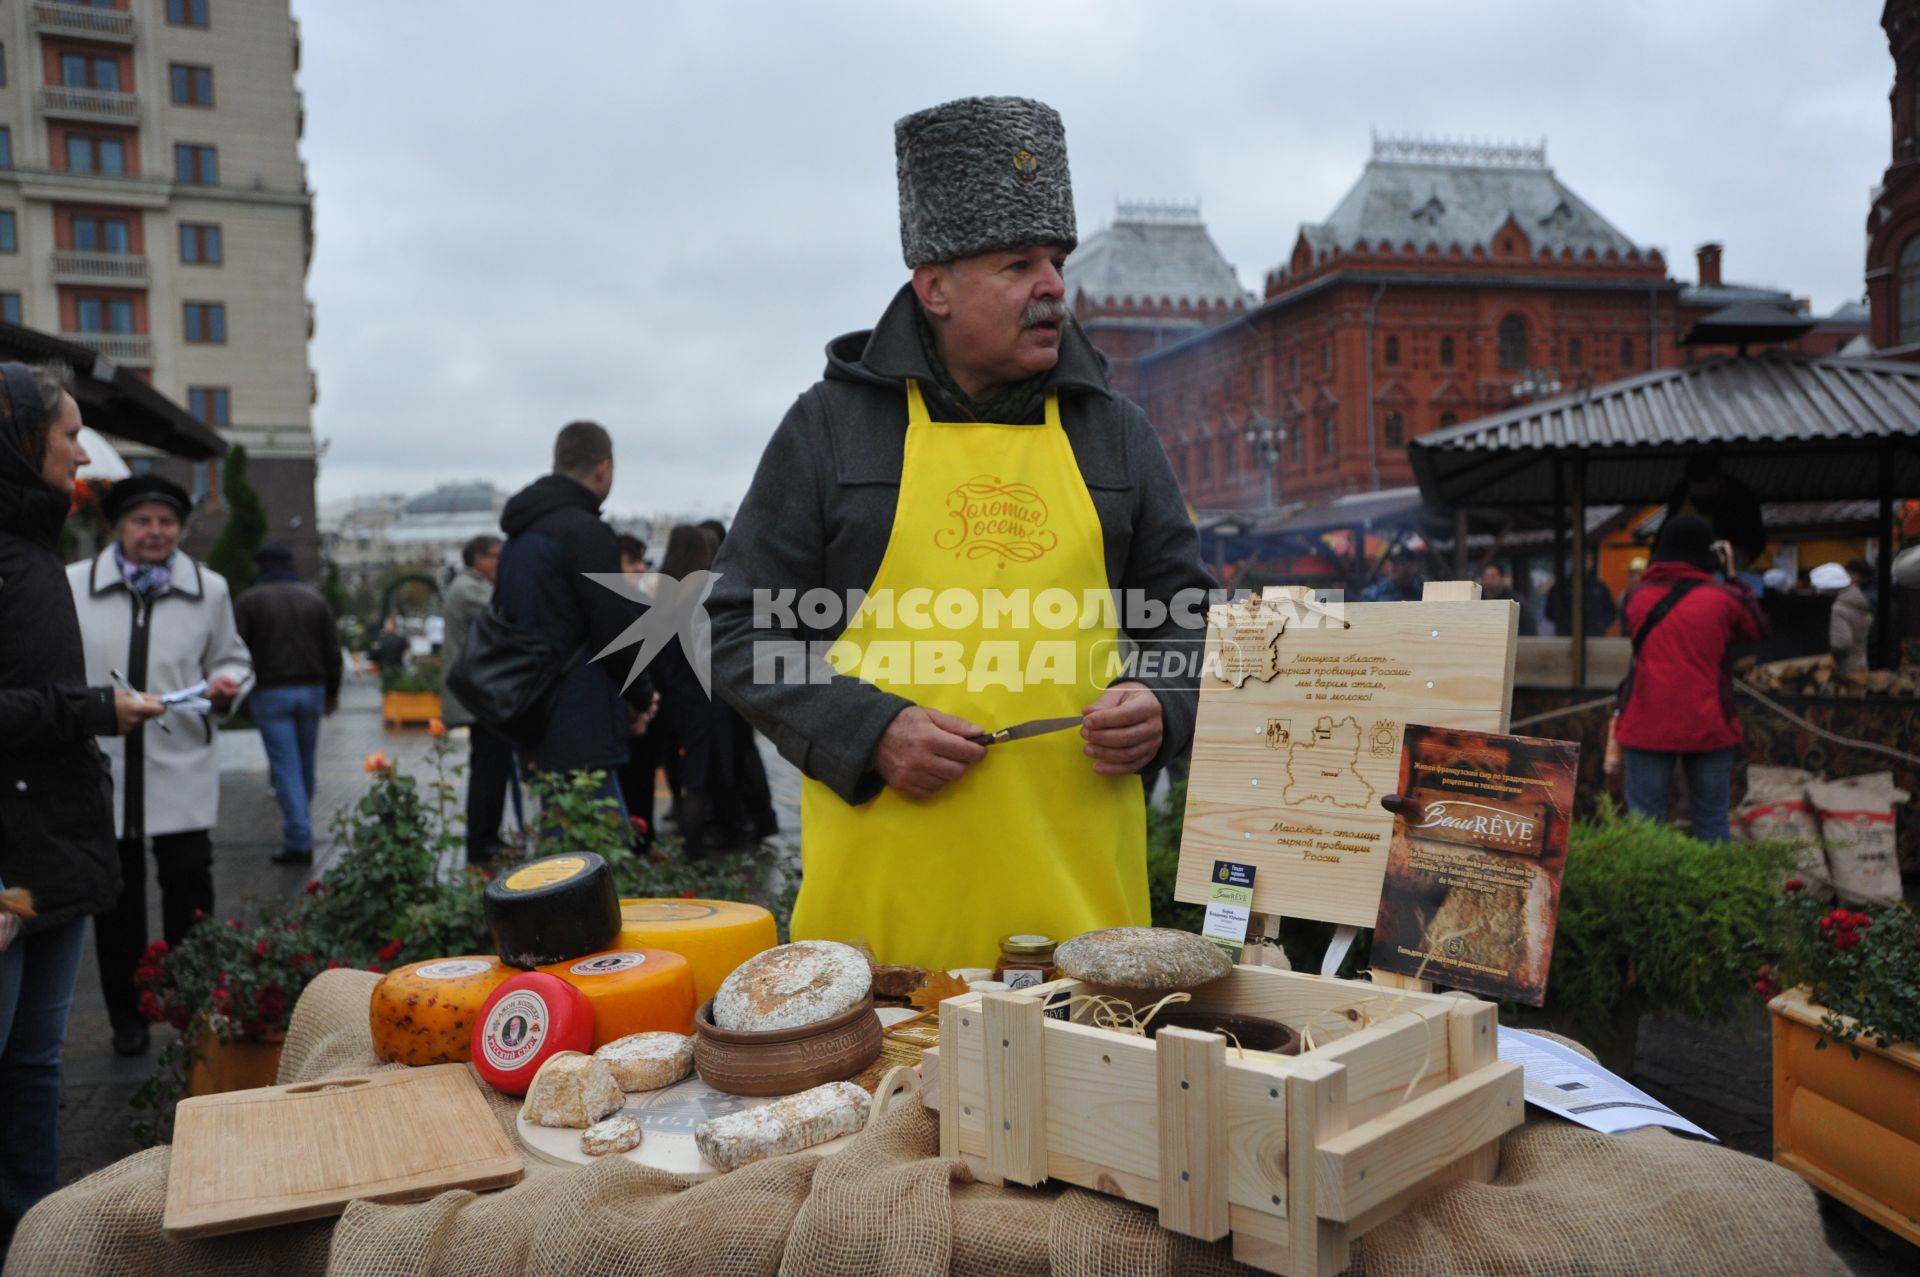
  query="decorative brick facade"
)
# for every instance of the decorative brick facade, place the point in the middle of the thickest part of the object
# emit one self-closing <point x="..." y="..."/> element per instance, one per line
<point x="1893" y="219"/>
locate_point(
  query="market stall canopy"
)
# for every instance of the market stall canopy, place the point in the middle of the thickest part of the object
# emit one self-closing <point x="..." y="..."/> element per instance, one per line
<point x="114" y="400"/>
<point x="1749" y="323"/>
<point x="1791" y="426"/>
<point x="1367" y="511"/>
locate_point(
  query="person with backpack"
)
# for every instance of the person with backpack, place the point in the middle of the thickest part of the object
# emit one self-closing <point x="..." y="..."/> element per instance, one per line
<point x="1676" y="705"/>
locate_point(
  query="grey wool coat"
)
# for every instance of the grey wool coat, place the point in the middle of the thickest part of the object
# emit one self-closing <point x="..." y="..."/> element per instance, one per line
<point x="465" y="598"/>
<point x="185" y="635"/>
<point x="820" y="511"/>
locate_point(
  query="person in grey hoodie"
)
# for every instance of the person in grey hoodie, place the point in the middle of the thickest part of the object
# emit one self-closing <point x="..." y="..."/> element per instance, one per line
<point x="1851" y="620"/>
<point x="912" y="840"/>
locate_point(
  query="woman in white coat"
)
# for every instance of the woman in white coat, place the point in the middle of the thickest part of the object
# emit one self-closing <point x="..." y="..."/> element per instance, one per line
<point x="153" y="616"/>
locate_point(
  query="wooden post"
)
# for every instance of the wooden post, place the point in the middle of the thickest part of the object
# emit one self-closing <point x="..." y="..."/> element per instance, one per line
<point x="1192" y="1072"/>
<point x="1016" y="1087"/>
<point x="1883" y="571"/>
<point x="1578" y="609"/>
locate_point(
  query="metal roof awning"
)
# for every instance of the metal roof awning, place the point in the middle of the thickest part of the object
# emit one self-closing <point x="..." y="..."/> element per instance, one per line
<point x="1748" y="323"/>
<point x="1791" y="426"/>
<point x="1843" y="520"/>
<point x="1366" y="511"/>
<point x="114" y="400"/>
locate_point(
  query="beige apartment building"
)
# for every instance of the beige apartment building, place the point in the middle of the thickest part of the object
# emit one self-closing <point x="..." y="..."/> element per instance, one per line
<point x="154" y="206"/>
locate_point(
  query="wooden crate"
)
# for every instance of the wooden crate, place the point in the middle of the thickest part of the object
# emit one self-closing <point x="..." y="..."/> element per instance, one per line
<point x="1293" y="1157"/>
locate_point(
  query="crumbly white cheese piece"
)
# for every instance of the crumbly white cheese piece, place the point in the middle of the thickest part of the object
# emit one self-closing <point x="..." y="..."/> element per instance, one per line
<point x="618" y="1134"/>
<point x="784" y="1126"/>
<point x="648" y="1061"/>
<point x="792" y="986"/>
<point x="572" y="1089"/>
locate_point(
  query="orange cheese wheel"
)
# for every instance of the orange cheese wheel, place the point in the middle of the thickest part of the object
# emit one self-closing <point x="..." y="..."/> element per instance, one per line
<point x="423" y="1013"/>
<point x="714" y="935"/>
<point x="632" y="991"/>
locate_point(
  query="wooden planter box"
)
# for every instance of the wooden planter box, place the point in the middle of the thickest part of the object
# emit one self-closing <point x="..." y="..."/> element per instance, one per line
<point x="215" y="1067"/>
<point x="409" y="707"/>
<point x="1294" y="1157"/>
<point x="1850" y="1128"/>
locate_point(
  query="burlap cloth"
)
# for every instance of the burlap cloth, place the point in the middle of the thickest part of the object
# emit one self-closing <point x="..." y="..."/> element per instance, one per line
<point x="1566" y="1201"/>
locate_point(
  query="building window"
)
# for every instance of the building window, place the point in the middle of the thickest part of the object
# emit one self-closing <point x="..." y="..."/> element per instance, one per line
<point x="1206" y="462"/>
<point x="1326" y="356"/>
<point x="190" y="85"/>
<point x="104" y="314"/>
<point x="79" y="71"/>
<point x="200" y="244"/>
<point x="1396" y="430"/>
<point x="1393" y="351"/>
<point x="1448" y="419"/>
<point x="1293" y="364"/>
<point x="209" y="477"/>
<point x="1907" y="304"/>
<point x="206" y="321"/>
<point x="9" y="232"/>
<point x="103" y="155"/>
<point x="1297" y="445"/>
<point x="187" y="13"/>
<point x="1513" y="342"/>
<point x="1626" y="352"/>
<point x="1446" y="352"/>
<point x="10" y="308"/>
<point x="212" y="404"/>
<point x="1575" y="355"/>
<point x="196" y="165"/>
<point x="6" y="147"/>
<point x="102" y="234"/>
<point x="1330" y="439"/>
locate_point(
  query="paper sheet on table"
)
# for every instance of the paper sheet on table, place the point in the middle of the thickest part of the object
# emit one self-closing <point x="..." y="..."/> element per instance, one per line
<point x="1568" y="1084"/>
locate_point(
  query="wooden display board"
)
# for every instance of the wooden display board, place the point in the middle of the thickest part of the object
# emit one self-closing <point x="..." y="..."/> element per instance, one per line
<point x="1302" y="707"/>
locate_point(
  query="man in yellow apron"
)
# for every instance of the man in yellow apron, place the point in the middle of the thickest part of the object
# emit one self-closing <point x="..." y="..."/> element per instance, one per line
<point x="960" y="529"/>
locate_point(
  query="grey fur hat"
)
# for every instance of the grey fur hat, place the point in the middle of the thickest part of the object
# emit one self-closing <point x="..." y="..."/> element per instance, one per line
<point x="979" y="174"/>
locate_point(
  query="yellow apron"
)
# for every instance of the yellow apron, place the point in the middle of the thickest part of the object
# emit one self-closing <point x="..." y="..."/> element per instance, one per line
<point x="1030" y="840"/>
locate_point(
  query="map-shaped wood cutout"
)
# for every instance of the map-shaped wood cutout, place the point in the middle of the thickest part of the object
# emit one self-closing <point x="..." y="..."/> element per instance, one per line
<point x="1302" y="705"/>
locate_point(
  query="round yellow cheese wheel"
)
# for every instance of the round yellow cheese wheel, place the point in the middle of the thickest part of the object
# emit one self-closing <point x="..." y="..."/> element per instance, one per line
<point x="632" y="991"/>
<point x="423" y="1013"/>
<point x="715" y="936"/>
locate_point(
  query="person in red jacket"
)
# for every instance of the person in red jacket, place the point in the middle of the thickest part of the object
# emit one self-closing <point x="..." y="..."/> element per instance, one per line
<point x="1677" y="703"/>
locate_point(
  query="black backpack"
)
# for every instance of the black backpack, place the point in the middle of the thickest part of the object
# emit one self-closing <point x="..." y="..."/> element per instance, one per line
<point x="507" y="676"/>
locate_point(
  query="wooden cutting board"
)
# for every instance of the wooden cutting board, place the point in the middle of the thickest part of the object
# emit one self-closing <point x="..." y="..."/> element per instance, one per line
<point x="279" y="1154"/>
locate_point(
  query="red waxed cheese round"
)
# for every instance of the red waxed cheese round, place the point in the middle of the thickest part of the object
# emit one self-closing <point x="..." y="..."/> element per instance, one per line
<point x="525" y="1022"/>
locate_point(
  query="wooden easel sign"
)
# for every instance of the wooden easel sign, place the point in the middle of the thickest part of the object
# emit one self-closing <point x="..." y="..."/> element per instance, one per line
<point x="1303" y="707"/>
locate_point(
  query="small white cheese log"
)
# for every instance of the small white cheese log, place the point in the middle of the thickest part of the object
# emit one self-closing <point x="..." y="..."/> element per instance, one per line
<point x="574" y="1090"/>
<point x="618" y="1134"/>
<point x="784" y="1126"/>
<point x="648" y="1061"/>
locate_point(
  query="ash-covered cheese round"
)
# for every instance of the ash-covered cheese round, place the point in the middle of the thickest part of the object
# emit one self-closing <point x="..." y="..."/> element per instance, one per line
<point x="1151" y="959"/>
<point x="793" y="986"/>
<point x="617" y="1134"/>
<point x="572" y="1089"/>
<point x="553" y="910"/>
<point x="423" y="1013"/>
<point x="648" y="1061"/>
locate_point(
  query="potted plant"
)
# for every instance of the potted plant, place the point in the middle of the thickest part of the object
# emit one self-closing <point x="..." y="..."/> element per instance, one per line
<point x="1848" y="1122"/>
<point x="411" y="694"/>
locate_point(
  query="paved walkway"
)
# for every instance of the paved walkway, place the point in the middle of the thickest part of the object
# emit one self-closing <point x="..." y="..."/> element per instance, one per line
<point x="1717" y="1075"/>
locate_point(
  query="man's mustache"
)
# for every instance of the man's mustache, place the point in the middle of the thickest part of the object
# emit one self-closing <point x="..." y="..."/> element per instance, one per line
<point x="1043" y="312"/>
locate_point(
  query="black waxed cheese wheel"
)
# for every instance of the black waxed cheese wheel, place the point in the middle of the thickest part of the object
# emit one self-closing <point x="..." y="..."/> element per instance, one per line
<point x="553" y="909"/>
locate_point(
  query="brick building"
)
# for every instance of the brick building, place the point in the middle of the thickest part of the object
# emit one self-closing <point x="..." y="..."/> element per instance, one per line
<point x="1150" y="278"/>
<point x="1451" y="281"/>
<point x="1893" y="217"/>
<point x="154" y="206"/>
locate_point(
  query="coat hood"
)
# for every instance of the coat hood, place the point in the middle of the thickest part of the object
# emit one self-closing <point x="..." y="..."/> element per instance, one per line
<point x="28" y="507"/>
<point x="889" y="353"/>
<point x="542" y="497"/>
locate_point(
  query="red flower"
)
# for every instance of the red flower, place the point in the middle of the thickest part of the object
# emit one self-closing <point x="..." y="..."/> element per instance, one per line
<point x="313" y="888"/>
<point x="640" y="825"/>
<point x="235" y="923"/>
<point x="687" y="894"/>
<point x="388" y="951"/>
<point x="151" y="1008"/>
<point x="221" y="997"/>
<point x="1861" y="921"/>
<point x="1794" y="884"/>
<point x="155" y="951"/>
<point x="332" y="963"/>
<point x="302" y="959"/>
<point x="1846" y="939"/>
<point x="376" y="968"/>
<point x="260" y="951"/>
<point x="270" y="1002"/>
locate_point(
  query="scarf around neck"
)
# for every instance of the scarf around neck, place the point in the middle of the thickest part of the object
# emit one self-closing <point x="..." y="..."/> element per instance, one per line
<point x="145" y="580"/>
<point x="1018" y="403"/>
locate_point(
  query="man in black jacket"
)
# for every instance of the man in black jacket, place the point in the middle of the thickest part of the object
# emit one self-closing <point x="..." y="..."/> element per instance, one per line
<point x="554" y="537"/>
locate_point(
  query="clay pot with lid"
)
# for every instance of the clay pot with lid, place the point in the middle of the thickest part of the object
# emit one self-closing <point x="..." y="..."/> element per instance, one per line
<point x="785" y="1061"/>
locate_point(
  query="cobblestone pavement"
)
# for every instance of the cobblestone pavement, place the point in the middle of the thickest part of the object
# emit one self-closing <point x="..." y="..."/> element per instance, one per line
<point x="1716" y="1074"/>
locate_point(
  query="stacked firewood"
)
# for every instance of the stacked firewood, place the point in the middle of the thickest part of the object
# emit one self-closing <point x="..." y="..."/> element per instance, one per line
<point x="1815" y="676"/>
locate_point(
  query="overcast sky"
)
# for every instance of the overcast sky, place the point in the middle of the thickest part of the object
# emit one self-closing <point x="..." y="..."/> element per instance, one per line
<point x="656" y="215"/>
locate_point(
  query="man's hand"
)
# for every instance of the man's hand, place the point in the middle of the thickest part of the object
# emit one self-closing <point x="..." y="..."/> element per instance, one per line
<point x="221" y="691"/>
<point x="924" y="749"/>
<point x="1123" y="729"/>
<point x="130" y="709"/>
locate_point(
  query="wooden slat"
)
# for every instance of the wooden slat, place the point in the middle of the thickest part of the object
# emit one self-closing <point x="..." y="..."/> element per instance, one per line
<point x="1450" y="592"/>
<point x="1316" y="1114"/>
<point x="1472" y="1036"/>
<point x="1370" y="1163"/>
<point x="1394" y="980"/>
<point x="1102" y="1105"/>
<point x="1192" y="1084"/>
<point x="1016" y="1087"/>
